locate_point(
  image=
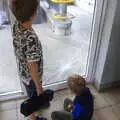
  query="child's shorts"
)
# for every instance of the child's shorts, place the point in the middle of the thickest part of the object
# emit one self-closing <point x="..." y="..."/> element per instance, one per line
<point x="30" y="89"/>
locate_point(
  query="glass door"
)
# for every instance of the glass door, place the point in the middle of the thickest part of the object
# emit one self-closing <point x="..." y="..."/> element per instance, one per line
<point x="63" y="54"/>
<point x="66" y="54"/>
<point x="9" y="82"/>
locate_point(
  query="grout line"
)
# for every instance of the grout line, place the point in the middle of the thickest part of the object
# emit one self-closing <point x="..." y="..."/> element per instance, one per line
<point x="107" y="106"/>
<point x="115" y="113"/>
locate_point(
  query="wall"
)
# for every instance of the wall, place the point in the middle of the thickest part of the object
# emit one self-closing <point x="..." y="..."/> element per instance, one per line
<point x="111" y="72"/>
<point x="108" y="65"/>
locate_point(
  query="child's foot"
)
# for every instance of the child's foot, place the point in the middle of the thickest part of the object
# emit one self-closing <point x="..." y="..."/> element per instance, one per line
<point x="40" y="118"/>
<point x="67" y="104"/>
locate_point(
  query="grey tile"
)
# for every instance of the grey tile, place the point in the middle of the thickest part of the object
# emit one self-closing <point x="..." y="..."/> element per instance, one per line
<point x="100" y="101"/>
<point x="56" y="96"/>
<point x="55" y="106"/>
<point x="8" y="115"/>
<point x="19" y="115"/>
<point x="116" y="110"/>
<point x="103" y="111"/>
<point x="112" y="96"/>
<point x="8" y="105"/>
<point x="65" y="94"/>
<point x="99" y="98"/>
<point x="105" y="114"/>
<point x="19" y="102"/>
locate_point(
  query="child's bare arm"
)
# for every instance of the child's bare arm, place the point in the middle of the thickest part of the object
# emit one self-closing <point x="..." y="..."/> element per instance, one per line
<point x="70" y="107"/>
<point x="33" y="68"/>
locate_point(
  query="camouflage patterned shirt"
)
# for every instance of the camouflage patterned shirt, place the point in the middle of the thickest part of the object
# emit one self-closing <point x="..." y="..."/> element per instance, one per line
<point x="27" y="48"/>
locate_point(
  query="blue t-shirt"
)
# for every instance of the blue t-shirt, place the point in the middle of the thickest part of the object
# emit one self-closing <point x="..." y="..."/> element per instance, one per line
<point x="83" y="106"/>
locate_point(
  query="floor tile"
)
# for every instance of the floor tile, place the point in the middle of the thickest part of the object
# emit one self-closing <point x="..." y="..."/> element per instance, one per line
<point x="112" y="96"/>
<point x="103" y="109"/>
<point x="8" y="115"/>
<point x="105" y="114"/>
<point x="99" y="99"/>
<point x="56" y="96"/>
<point x="19" y="102"/>
<point x="65" y="94"/>
<point x="19" y="115"/>
<point x="55" y="106"/>
<point x="8" y="105"/>
<point x="106" y="98"/>
<point x="100" y="102"/>
<point x="116" y="110"/>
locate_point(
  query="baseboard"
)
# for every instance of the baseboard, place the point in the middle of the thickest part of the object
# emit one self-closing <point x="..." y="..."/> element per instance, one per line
<point x="19" y="94"/>
<point x="103" y="86"/>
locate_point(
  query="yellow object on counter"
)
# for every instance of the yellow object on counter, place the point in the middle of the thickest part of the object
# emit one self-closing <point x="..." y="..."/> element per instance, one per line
<point x="57" y="16"/>
<point x="63" y="1"/>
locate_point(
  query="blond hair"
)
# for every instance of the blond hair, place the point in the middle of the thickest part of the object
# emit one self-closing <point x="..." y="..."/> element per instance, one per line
<point x="76" y="83"/>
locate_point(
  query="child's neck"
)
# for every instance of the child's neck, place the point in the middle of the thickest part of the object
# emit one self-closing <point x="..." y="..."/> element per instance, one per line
<point x="27" y="25"/>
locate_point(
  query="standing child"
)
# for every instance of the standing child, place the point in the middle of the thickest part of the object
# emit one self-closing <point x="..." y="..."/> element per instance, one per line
<point x="28" y="49"/>
<point x="82" y="105"/>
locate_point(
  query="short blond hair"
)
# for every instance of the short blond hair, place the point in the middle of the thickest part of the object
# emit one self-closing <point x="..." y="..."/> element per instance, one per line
<point x="76" y="83"/>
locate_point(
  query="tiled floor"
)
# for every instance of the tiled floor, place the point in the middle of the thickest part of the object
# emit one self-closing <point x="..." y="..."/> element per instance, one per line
<point x="107" y="105"/>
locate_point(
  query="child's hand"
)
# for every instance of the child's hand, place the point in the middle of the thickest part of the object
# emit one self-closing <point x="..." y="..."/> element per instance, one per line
<point x="39" y="90"/>
<point x="70" y="108"/>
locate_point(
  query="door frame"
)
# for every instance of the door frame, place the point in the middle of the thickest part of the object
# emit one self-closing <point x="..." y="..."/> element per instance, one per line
<point x="96" y="34"/>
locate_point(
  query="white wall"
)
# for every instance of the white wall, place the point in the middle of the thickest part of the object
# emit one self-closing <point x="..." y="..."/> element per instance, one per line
<point x="108" y="66"/>
<point x="1" y="4"/>
<point x="112" y="65"/>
